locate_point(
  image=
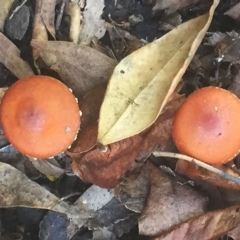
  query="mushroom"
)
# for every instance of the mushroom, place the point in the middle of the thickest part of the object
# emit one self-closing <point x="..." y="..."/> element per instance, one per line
<point x="207" y="126"/>
<point x="39" y="116"/>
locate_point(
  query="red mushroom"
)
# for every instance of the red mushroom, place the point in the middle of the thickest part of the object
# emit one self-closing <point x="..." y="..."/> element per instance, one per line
<point x="207" y="126"/>
<point x="39" y="116"/>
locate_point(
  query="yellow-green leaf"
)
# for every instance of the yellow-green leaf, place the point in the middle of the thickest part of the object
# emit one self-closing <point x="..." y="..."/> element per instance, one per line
<point x="143" y="81"/>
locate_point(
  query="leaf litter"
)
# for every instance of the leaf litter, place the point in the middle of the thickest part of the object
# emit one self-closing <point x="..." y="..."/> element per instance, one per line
<point x="80" y="67"/>
<point x="142" y="82"/>
<point x="144" y="189"/>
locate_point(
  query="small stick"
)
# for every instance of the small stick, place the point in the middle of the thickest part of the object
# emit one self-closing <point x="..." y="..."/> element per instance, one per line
<point x="199" y="163"/>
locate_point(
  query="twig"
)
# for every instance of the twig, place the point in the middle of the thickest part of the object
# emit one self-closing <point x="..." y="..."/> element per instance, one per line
<point x="199" y="163"/>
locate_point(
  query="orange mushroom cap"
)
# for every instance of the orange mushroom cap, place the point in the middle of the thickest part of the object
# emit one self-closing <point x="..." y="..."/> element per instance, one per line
<point x="39" y="116"/>
<point x="207" y="125"/>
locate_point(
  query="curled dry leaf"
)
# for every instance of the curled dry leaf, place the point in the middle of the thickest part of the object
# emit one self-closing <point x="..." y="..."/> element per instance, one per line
<point x="143" y="81"/>
<point x="39" y="31"/>
<point x="80" y="67"/>
<point x="10" y="57"/>
<point x="105" y="168"/>
<point x="44" y="19"/>
<point x="48" y="15"/>
<point x="76" y="18"/>
<point x="195" y="172"/>
<point x="49" y="167"/>
<point x="168" y="203"/>
<point x="209" y="226"/>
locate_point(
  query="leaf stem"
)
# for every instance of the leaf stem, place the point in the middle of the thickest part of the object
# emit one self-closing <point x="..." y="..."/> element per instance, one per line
<point x="198" y="163"/>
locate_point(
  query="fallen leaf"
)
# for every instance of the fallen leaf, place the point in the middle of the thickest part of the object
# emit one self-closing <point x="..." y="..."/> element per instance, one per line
<point x="44" y="19"/>
<point x="10" y="57"/>
<point x="75" y="13"/>
<point x="209" y="226"/>
<point x="19" y="191"/>
<point x="48" y="15"/>
<point x="105" y="168"/>
<point x="86" y="140"/>
<point x="136" y="185"/>
<point x="159" y="134"/>
<point x="90" y="106"/>
<point x="2" y="92"/>
<point x="103" y="233"/>
<point x="234" y="12"/>
<point x="80" y="67"/>
<point x="49" y="167"/>
<point x="195" y="172"/>
<point x="171" y="6"/>
<point x="87" y="137"/>
<point x="168" y="204"/>
<point x="17" y="26"/>
<point x="93" y="199"/>
<point x="115" y="217"/>
<point x="92" y="23"/>
<point x="39" y="31"/>
<point x="142" y="82"/>
<point x="5" y="7"/>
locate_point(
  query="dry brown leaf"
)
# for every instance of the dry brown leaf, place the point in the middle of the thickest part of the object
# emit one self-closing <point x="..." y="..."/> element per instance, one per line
<point x="142" y="82"/>
<point x="87" y="137"/>
<point x="80" y="67"/>
<point x="90" y="106"/>
<point x="168" y="204"/>
<point x="10" y="57"/>
<point x="160" y="133"/>
<point x="135" y="184"/>
<point x="195" y="172"/>
<point x="105" y="168"/>
<point x="86" y="140"/>
<point x="5" y="7"/>
<point x="92" y="23"/>
<point x="209" y="226"/>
